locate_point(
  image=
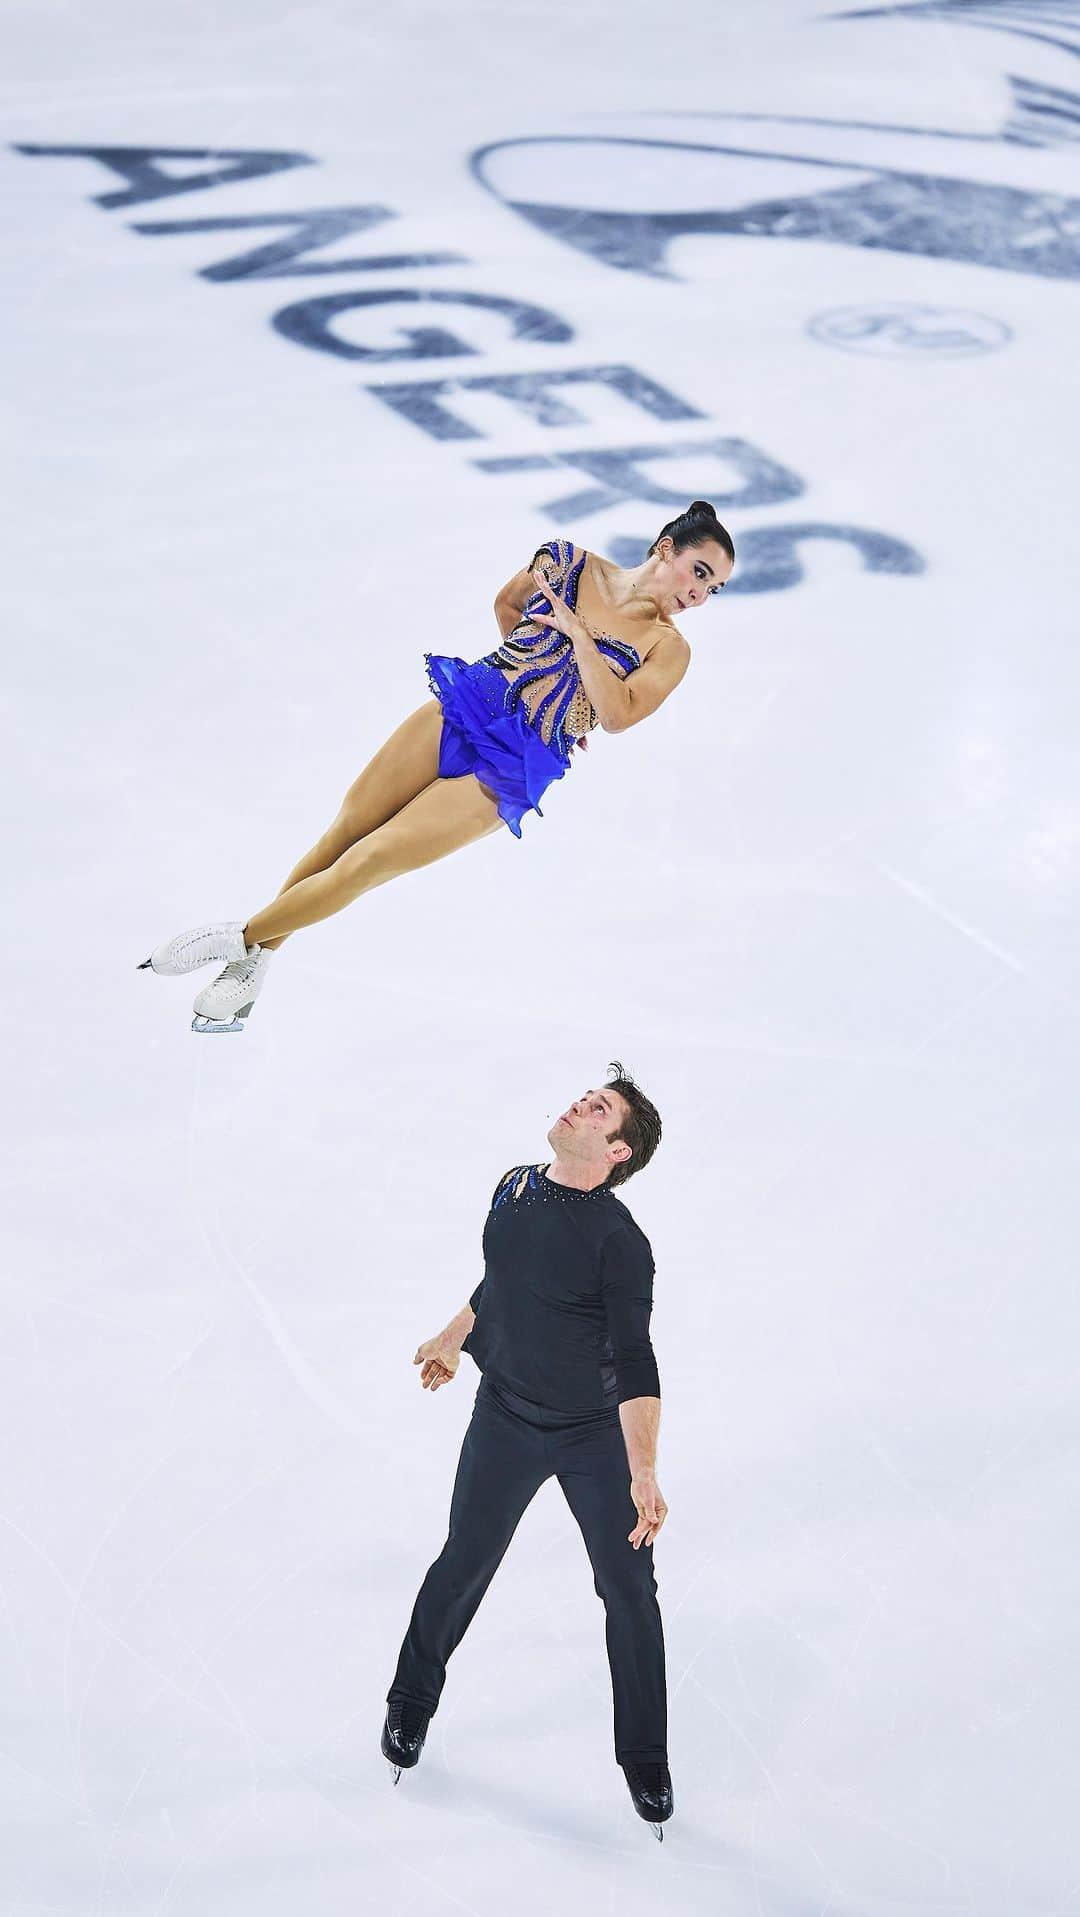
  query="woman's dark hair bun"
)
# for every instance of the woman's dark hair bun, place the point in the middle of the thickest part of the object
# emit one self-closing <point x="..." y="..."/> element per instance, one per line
<point x="695" y="527"/>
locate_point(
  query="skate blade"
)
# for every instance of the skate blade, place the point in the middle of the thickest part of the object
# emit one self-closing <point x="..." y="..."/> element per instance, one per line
<point x="145" y="966"/>
<point x="200" y="1023"/>
<point x="397" y="1773"/>
<point x="658" y="1832"/>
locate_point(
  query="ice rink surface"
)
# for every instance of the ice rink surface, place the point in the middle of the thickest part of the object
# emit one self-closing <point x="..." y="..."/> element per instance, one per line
<point x="594" y="261"/>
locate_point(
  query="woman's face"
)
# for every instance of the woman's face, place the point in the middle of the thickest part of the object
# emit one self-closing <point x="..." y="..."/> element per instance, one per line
<point x="688" y="578"/>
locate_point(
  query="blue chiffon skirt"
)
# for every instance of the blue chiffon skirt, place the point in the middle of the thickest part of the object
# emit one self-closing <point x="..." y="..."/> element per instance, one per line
<point x="482" y="736"/>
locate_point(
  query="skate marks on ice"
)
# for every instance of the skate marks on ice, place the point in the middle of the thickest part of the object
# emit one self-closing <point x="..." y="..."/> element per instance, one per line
<point x="225" y="1258"/>
<point x="452" y="1798"/>
<point x="627" y="199"/>
<point x="456" y="1800"/>
<point x="1054" y="23"/>
<point x="742" y="475"/>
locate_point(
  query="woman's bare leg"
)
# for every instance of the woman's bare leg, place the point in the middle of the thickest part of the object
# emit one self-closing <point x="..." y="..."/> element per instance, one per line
<point x="448" y="814"/>
<point x="401" y="768"/>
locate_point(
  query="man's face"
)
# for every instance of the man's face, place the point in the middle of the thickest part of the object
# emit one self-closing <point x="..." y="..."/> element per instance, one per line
<point x="583" y="1129"/>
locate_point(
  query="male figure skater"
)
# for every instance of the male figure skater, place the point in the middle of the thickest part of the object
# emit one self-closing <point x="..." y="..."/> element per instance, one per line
<point x="559" y="1327"/>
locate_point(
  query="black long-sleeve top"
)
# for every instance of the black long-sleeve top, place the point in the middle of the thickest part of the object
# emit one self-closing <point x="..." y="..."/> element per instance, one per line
<point x="562" y="1311"/>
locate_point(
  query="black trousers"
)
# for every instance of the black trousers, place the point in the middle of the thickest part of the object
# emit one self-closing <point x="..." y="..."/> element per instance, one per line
<point x="511" y="1447"/>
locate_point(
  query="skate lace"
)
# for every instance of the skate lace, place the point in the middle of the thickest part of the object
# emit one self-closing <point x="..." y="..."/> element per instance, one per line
<point x="651" y="1778"/>
<point x="192" y="941"/>
<point x="406" y="1718"/>
<point x="242" y="969"/>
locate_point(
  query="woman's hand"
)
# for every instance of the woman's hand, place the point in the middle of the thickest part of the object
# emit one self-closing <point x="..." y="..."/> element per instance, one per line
<point x="560" y="617"/>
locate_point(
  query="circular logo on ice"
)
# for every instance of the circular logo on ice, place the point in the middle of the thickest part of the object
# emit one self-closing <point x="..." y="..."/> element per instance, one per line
<point x="901" y="331"/>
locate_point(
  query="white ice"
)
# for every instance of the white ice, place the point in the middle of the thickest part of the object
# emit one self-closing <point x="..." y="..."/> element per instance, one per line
<point x="824" y="905"/>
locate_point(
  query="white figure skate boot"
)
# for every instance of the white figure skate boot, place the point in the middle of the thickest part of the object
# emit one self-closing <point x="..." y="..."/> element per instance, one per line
<point x="224" y="1005"/>
<point x="188" y="950"/>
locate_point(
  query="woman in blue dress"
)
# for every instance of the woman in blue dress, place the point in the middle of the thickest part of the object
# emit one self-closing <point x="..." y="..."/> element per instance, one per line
<point x="585" y="643"/>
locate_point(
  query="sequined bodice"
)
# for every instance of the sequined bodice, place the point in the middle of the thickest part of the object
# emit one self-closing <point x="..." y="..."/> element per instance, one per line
<point x="539" y="660"/>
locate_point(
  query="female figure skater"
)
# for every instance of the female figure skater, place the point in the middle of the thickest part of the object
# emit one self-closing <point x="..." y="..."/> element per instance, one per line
<point x="584" y="643"/>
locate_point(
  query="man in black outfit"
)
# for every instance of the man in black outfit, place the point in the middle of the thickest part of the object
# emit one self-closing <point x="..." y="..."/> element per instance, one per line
<point x="559" y="1327"/>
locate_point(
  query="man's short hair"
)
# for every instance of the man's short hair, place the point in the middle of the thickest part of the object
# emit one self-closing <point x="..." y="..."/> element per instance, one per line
<point x="640" y="1129"/>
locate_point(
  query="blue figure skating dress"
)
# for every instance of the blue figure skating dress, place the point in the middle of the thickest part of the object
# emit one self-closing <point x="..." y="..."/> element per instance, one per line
<point x="514" y="717"/>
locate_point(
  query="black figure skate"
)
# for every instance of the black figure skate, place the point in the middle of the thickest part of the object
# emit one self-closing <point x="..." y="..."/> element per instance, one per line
<point x="650" y="1788"/>
<point x="403" y="1735"/>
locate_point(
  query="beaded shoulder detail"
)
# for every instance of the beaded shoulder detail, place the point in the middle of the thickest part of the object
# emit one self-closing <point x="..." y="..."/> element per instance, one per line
<point x="562" y="564"/>
<point x="546" y="682"/>
<point x="512" y="1184"/>
<point x="528" y="1183"/>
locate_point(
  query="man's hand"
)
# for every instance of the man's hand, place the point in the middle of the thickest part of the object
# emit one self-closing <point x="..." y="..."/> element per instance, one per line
<point x="440" y="1358"/>
<point x="650" y="1507"/>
